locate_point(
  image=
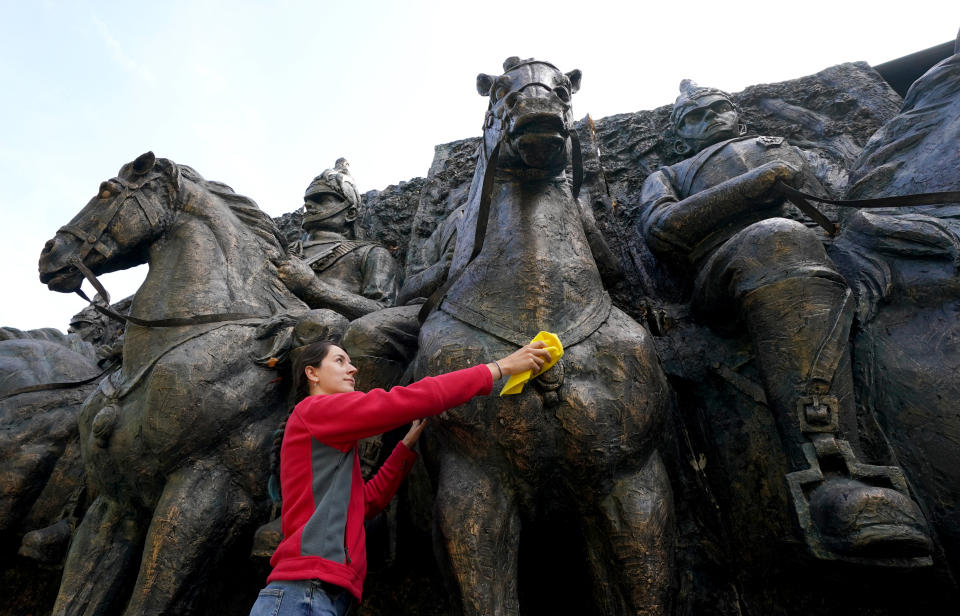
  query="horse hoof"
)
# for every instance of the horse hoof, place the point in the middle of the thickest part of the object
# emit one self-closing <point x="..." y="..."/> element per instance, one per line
<point x="47" y="546"/>
<point x="103" y="424"/>
<point x="856" y="519"/>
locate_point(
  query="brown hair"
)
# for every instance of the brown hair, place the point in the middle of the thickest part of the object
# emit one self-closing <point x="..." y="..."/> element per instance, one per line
<point x="310" y="355"/>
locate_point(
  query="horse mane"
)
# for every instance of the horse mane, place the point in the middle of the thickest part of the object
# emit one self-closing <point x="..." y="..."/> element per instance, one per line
<point x="246" y="209"/>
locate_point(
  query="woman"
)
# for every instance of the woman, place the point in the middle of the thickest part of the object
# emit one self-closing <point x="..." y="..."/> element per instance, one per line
<point x="320" y="565"/>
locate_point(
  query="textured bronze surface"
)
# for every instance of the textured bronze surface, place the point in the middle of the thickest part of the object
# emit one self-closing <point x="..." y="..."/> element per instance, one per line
<point x="772" y="466"/>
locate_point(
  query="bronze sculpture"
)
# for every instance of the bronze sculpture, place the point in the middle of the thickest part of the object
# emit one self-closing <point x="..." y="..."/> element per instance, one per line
<point x="719" y="215"/>
<point x="335" y="270"/>
<point x="555" y="464"/>
<point x="593" y="420"/>
<point x="176" y="443"/>
<point x="903" y="265"/>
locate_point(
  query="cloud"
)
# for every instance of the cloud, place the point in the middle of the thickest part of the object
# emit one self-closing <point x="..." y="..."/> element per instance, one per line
<point x="122" y="57"/>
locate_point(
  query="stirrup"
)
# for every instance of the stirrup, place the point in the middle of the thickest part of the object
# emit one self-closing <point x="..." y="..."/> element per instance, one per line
<point x="901" y="540"/>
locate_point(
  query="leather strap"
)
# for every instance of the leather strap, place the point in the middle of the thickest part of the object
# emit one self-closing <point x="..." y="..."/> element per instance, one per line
<point x="799" y="198"/>
<point x="325" y="259"/>
<point x="172" y="322"/>
<point x="59" y="385"/>
<point x="593" y="317"/>
<point x="577" y="161"/>
<point x="483" y="214"/>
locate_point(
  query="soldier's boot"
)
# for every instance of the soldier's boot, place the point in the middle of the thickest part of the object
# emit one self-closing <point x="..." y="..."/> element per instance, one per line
<point x="846" y="509"/>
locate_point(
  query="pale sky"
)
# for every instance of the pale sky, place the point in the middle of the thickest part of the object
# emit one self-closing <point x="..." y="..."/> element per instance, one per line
<point x="264" y="96"/>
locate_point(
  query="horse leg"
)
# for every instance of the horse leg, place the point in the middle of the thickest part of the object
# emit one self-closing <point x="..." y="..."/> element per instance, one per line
<point x="200" y="507"/>
<point x="105" y="548"/>
<point x="476" y="520"/>
<point x="630" y="542"/>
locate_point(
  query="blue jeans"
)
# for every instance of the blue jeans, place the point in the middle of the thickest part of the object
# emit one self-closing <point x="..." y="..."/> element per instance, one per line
<point x="301" y="598"/>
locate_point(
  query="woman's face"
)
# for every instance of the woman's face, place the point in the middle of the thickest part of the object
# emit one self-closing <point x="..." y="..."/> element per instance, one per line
<point x="334" y="375"/>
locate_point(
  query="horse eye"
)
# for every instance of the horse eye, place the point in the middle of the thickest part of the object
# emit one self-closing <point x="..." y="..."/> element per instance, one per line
<point x="562" y="93"/>
<point x="105" y="190"/>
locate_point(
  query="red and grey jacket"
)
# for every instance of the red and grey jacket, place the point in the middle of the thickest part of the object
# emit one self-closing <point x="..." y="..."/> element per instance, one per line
<point x="325" y="499"/>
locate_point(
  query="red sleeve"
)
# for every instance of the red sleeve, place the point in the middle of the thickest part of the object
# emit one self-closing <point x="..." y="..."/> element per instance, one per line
<point x="348" y="417"/>
<point x="378" y="492"/>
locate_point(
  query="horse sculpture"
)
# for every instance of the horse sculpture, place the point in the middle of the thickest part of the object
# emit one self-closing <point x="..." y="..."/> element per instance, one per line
<point x="176" y="443"/>
<point x="38" y="432"/>
<point x="904" y="264"/>
<point x="583" y="436"/>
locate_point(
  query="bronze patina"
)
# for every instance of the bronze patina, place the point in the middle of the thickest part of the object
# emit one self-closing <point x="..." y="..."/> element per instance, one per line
<point x="584" y="435"/>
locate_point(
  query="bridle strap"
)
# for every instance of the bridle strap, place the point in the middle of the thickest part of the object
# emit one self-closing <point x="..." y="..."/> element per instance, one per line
<point x="577" y="162"/>
<point x="483" y="215"/>
<point x="172" y="322"/>
<point x="91" y="239"/>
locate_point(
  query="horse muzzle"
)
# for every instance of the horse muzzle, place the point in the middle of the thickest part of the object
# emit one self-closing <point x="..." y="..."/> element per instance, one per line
<point x="56" y="271"/>
<point x="539" y="138"/>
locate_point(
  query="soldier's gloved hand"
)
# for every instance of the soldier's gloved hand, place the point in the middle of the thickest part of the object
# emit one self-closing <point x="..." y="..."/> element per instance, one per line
<point x="761" y="182"/>
<point x="295" y="273"/>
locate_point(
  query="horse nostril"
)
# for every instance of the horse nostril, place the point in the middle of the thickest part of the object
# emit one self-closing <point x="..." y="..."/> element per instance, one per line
<point x="48" y="247"/>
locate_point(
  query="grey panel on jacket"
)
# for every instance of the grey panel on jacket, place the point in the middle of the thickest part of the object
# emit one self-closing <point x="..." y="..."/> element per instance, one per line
<point x="324" y="533"/>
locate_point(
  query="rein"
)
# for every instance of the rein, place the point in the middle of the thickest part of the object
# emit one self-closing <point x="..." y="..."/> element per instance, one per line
<point x="60" y="385"/>
<point x="173" y="322"/>
<point x="799" y="199"/>
<point x="483" y="214"/>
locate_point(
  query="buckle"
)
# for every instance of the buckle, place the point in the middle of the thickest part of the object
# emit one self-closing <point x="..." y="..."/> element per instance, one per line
<point x="818" y="413"/>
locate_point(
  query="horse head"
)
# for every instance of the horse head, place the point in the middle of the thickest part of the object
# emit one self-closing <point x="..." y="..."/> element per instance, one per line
<point x="528" y="132"/>
<point x="113" y="230"/>
<point x="530" y="113"/>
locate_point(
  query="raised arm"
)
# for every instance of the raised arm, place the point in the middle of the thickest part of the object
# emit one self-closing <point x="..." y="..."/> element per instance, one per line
<point x="347" y="417"/>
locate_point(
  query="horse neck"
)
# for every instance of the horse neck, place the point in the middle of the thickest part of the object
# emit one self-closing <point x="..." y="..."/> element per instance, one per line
<point x="209" y="261"/>
<point x="536" y="226"/>
<point x="535" y="262"/>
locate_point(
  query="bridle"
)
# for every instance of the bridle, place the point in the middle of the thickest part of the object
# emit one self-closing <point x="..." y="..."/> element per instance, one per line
<point x="486" y="190"/>
<point x="90" y="240"/>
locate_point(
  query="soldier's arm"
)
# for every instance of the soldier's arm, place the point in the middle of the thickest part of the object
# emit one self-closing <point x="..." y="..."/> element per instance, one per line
<point x="379" y="273"/>
<point x="674" y="226"/>
<point x="424" y="282"/>
<point x="607" y="262"/>
<point x="301" y="280"/>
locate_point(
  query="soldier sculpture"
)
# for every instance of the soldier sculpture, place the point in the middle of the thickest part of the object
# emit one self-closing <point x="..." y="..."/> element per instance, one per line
<point x="719" y="215"/>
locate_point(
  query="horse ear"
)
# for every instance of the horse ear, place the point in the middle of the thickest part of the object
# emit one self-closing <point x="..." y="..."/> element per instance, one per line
<point x="484" y="83"/>
<point x="574" y="77"/>
<point x="175" y="175"/>
<point x="144" y="163"/>
<point x="171" y="169"/>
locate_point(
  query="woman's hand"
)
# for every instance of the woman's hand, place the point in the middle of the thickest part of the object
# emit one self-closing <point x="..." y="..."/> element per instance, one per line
<point x="531" y="357"/>
<point x="413" y="434"/>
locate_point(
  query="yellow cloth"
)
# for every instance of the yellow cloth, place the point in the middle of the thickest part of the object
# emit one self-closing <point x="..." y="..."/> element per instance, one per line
<point x="516" y="382"/>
